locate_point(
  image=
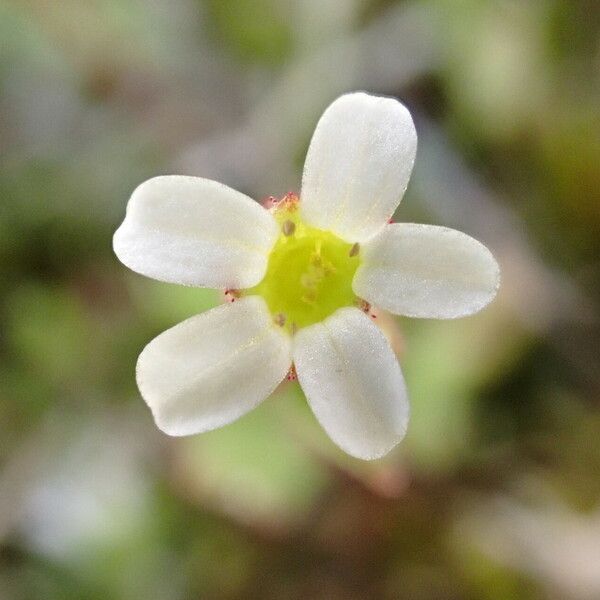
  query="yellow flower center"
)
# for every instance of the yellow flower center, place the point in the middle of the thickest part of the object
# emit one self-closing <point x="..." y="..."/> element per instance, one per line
<point x="310" y="271"/>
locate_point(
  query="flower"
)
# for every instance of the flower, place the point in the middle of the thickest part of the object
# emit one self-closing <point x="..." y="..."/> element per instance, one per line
<point x="301" y="277"/>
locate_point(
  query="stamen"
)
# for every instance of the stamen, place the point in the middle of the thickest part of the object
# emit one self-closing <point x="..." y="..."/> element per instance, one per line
<point x="270" y="202"/>
<point x="363" y="305"/>
<point x="288" y="203"/>
<point x="288" y="228"/>
<point x="291" y="199"/>
<point x="307" y="281"/>
<point x="232" y="295"/>
<point x="292" y="375"/>
<point x="309" y="272"/>
<point x="309" y="297"/>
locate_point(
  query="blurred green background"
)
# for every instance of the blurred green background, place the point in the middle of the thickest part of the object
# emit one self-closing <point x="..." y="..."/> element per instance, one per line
<point x="494" y="494"/>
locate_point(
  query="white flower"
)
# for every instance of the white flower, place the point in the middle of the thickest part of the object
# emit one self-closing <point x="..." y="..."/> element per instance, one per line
<point x="314" y="266"/>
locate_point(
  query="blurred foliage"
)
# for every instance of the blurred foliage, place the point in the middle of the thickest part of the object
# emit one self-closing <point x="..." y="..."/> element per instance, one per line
<point x="493" y="495"/>
<point x="253" y="30"/>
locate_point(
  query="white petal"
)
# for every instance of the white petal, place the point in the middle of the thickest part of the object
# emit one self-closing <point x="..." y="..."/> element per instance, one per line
<point x="353" y="383"/>
<point x="197" y="232"/>
<point x="211" y="369"/>
<point x="426" y="271"/>
<point x="358" y="165"/>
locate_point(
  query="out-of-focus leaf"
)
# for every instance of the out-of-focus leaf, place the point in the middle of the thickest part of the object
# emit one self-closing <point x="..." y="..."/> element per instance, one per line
<point x="253" y="469"/>
<point x="445" y="364"/>
<point x="48" y="332"/>
<point x="255" y="30"/>
<point x="167" y="304"/>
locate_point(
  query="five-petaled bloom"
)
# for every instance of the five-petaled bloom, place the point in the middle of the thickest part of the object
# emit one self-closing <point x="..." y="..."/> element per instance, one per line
<point x="301" y="276"/>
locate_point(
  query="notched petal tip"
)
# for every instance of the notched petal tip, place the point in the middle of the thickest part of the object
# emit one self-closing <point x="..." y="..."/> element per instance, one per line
<point x="212" y="368"/>
<point x="195" y="231"/>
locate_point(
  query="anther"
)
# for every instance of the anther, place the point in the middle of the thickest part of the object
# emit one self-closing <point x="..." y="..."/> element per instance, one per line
<point x="279" y="319"/>
<point x="307" y="281"/>
<point x="354" y="250"/>
<point x="270" y="202"/>
<point x="363" y="305"/>
<point x="231" y="295"/>
<point x="288" y="228"/>
<point x="290" y="202"/>
<point x="291" y="374"/>
<point x="315" y="259"/>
